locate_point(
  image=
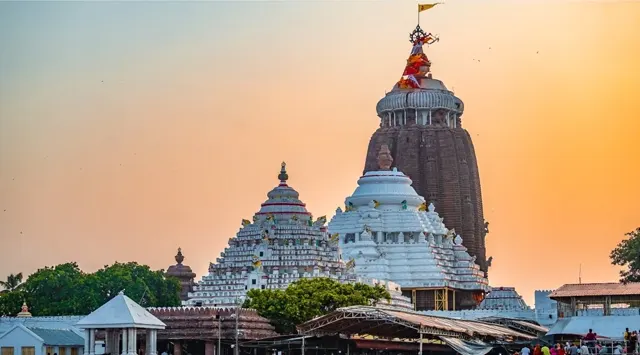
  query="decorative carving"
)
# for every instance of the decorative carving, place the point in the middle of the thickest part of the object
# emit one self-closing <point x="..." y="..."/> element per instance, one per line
<point x="432" y="207"/>
<point x="384" y="158"/>
<point x="489" y="261"/>
<point x="404" y="204"/>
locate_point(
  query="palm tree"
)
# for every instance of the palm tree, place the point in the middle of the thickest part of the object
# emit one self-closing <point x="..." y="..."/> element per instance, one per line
<point x="13" y="282"/>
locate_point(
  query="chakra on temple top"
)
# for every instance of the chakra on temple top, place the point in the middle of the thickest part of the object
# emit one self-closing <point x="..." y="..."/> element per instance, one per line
<point x="420" y="36"/>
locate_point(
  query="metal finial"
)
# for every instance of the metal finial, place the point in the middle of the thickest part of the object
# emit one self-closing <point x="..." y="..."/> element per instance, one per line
<point x="283" y="173"/>
<point x="179" y="256"/>
<point x="419" y="35"/>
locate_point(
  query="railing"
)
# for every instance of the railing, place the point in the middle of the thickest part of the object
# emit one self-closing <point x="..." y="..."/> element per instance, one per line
<point x="610" y="346"/>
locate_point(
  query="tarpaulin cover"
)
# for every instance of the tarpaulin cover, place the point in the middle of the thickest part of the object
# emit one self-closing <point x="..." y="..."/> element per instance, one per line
<point x="466" y="347"/>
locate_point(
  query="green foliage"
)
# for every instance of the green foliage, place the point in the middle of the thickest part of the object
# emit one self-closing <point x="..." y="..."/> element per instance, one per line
<point x="627" y="255"/>
<point x="10" y="302"/>
<point x="13" y="282"/>
<point x="306" y="299"/>
<point x="66" y="290"/>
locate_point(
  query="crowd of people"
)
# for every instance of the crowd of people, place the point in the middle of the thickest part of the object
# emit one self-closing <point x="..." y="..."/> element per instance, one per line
<point x="589" y="345"/>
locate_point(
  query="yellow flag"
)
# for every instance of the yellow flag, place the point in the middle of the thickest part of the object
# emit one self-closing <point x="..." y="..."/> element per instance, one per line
<point x="425" y="7"/>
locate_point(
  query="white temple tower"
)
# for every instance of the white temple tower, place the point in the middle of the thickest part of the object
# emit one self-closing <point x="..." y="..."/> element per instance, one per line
<point x="281" y="245"/>
<point x="388" y="232"/>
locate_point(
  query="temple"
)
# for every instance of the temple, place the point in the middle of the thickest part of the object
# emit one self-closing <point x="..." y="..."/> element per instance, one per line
<point x="387" y="232"/>
<point x="420" y="122"/>
<point x="183" y="273"/>
<point x="282" y="244"/>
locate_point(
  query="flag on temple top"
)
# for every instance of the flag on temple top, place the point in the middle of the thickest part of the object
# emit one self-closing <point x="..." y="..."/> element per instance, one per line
<point x="425" y="7"/>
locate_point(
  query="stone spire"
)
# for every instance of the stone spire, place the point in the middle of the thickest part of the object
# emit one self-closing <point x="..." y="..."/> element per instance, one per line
<point x="24" y="311"/>
<point x="384" y="157"/>
<point x="183" y="273"/>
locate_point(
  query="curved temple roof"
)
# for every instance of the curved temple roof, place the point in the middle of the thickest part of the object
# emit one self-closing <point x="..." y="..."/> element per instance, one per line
<point x="387" y="232"/>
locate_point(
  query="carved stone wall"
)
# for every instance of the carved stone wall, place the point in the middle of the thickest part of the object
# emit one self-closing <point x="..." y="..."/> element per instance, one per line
<point x="201" y="323"/>
<point x="441" y="161"/>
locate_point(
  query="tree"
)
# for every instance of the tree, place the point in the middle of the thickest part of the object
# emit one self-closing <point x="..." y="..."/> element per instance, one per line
<point x="13" y="282"/>
<point x="306" y="299"/>
<point x="66" y="290"/>
<point x="60" y="290"/>
<point x="143" y="285"/>
<point x="627" y="255"/>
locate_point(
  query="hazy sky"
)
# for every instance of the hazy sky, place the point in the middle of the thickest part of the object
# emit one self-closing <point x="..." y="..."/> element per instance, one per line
<point x="130" y="129"/>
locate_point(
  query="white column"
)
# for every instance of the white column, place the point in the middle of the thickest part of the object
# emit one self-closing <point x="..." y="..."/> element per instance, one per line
<point x="125" y="341"/>
<point x="108" y="345"/>
<point x="131" y="349"/>
<point x="152" y="342"/>
<point x="87" y="341"/>
<point x="429" y="117"/>
<point x="92" y="342"/>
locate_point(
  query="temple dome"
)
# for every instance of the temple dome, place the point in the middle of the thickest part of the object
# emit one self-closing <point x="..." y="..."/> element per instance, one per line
<point x="283" y="199"/>
<point x="432" y="95"/>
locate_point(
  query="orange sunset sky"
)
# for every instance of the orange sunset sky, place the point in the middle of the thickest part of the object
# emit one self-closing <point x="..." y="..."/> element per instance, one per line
<point x="129" y="129"/>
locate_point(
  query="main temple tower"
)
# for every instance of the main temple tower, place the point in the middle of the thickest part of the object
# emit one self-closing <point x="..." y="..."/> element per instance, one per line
<point x="421" y="122"/>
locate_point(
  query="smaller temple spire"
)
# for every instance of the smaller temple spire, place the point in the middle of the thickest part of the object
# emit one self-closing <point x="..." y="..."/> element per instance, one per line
<point x="24" y="311"/>
<point x="179" y="257"/>
<point x="384" y="158"/>
<point x="283" y="173"/>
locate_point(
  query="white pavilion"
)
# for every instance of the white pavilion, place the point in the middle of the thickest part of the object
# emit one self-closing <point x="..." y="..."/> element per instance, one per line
<point x="389" y="233"/>
<point x="123" y="320"/>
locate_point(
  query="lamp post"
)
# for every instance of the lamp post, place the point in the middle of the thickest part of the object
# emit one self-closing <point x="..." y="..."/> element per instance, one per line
<point x="219" y="333"/>
<point x="237" y="352"/>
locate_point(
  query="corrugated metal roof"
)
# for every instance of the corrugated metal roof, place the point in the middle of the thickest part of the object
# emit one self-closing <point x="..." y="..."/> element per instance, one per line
<point x="421" y="323"/>
<point x="607" y="326"/>
<point x="62" y="322"/>
<point x="58" y="337"/>
<point x="597" y="289"/>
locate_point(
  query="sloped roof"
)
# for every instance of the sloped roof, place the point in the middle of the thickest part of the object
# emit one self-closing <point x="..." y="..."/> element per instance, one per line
<point x="120" y="312"/>
<point x="597" y="289"/>
<point x="606" y="326"/>
<point x="58" y="322"/>
<point x="58" y="337"/>
<point x="402" y="324"/>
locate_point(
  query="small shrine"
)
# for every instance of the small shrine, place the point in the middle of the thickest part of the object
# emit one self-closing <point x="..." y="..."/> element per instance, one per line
<point x="24" y="311"/>
<point x="183" y="273"/>
<point x="281" y="244"/>
<point x="387" y="232"/>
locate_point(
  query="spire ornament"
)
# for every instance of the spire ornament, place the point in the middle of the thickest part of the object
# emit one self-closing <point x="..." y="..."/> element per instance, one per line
<point x="179" y="257"/>
<point x="283" y="173"/>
